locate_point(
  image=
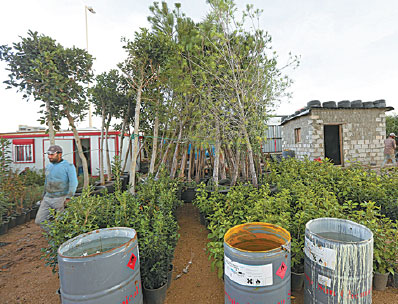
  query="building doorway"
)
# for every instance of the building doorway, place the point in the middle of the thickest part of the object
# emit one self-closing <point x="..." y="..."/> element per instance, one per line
<point x="332" y="143"/>
<point x="86" y="151"/>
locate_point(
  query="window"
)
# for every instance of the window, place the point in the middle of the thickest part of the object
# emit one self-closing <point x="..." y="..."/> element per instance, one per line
<point x="297" y="135"/>
<point x="23" y="150"/>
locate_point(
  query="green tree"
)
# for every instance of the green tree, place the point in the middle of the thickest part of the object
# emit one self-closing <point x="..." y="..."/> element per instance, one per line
<point x="55" y="75"/>
<point x="243" y="69"/>
<point x="392" y="124"/>
<point x="145" y="56"/>
<point x="106" y="95"/>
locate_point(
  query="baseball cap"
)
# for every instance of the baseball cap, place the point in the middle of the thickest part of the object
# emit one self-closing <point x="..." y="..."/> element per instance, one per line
<point x="54" y="149"/>
<point x="392" y="134"/>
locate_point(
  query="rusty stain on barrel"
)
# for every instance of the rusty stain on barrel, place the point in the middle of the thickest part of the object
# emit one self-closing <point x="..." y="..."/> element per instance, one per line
<point x="257" y="253"/>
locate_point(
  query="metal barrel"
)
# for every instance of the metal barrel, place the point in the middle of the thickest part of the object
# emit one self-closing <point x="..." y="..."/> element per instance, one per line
<point x="257" y="264"/>
<point x="338" y="262"/>
<point x="101" y="267"/>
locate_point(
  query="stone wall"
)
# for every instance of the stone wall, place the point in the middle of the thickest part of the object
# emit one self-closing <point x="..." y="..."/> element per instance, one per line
<point x="363" y="134"/>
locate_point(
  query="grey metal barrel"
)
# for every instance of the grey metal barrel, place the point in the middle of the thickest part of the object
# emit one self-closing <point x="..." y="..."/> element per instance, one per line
<point x="338" y="262"/>
<point x="257" y="264"/>
<point x="101" y="267"/>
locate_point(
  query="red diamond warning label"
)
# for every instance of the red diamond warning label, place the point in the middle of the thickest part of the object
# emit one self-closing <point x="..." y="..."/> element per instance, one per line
<point x="131" y="263"/>
<point x="281" y="271"/>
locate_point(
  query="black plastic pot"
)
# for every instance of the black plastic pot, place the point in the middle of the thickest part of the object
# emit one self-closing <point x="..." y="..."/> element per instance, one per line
<point x="395" y="280"/>
<point x="170" y="275"/>
<point x="4" y="227"/>
<point x="33" y="212"/>
<point x="380" y="281"/>
<point x="12" y="222"/>
<point x="188" y="195"/>
<point x="155" y="296"/>
<point x="297" y="281"/>
<point x="125" y="181"/>
<point x="27" y="215"/>
<point x="20" y="218"/>
<point x="78" y="192"/>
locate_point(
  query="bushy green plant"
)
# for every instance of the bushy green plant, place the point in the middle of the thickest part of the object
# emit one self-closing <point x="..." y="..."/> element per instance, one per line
<point x="14" y="188"/>
<point x="384" y="235"/>
<point x="33" y="177"/>
<point x="149" y="212"/>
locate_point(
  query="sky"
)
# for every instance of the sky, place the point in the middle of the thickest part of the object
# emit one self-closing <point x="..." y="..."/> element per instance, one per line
<point x="348" y="49"/>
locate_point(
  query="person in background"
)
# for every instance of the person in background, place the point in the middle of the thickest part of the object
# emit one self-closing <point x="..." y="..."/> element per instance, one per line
<point x="59" y="186"/>
<point x="389" y="149"/>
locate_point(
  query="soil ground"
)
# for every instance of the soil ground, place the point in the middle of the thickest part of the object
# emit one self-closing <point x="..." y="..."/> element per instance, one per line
<point x="25" y="279"/>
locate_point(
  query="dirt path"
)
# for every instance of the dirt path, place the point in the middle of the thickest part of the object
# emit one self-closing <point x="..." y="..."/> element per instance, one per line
<point x="23" y="276"/>
<point x="25" y="279"/>
<point x="200" y="284"/>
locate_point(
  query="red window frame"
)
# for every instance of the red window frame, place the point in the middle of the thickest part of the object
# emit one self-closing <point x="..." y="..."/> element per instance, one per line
<point x="23" y="151"/>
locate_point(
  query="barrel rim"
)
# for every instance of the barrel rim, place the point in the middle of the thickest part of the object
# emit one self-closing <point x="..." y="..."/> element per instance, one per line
<point x="339" y="220"/>
<point x="289" y="238"/>
<point x="92" y="232"/>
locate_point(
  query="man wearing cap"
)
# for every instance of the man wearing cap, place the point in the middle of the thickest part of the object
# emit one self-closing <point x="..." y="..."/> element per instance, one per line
<point x="389" y="149"/>
<point x="59" y="186"/>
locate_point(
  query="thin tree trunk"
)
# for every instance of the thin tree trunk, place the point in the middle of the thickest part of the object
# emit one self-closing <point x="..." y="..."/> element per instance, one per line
<point x="127" y="154"/>
<point x="101" y="154"/>
<point x="174" y="161"/>
<point x="164" y="158"/>
<point x="251" y="168"/>
<point x="236" y="168"/>
<point x="108" y="159"/>
<point x="222" y="166"/>
<point x="197" y="166"/>
<point x="79" y="149"/>
<point x="217" y="154"/>
<point x="243" y="160"/>
<point x="184" y="161"/>
<point x="51" y="132"/>
<point x="227" y="162"/>
<point x="136" y="129"/>
<point x="126" y="116"/>
<point x="191" y="153"/>
<point x="154" y="143"/>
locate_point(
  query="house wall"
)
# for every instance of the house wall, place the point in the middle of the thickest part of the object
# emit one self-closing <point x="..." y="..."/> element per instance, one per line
<point x="363" y="134"/>
<point x="41" y="144"/>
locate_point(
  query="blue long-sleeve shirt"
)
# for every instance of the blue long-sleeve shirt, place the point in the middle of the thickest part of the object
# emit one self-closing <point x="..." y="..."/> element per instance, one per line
<point x="61" y="180"/>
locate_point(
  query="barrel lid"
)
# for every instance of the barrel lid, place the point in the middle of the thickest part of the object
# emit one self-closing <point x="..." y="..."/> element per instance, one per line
<point x="105" y="233"/>
<point x="258" y="237"/>
<point x="321" y="225"/>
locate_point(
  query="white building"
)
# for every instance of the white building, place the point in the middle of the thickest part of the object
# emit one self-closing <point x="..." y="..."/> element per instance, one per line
<point x="28" y="148"/>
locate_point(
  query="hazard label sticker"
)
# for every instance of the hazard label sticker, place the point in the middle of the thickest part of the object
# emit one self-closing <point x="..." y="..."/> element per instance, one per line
<point x="248" y="275"/>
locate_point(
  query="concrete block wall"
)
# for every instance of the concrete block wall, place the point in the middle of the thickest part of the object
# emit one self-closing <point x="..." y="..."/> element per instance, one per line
<point x="363" y="134"/>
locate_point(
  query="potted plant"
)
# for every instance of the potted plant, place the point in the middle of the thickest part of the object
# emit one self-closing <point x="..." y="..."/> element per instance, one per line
<point x="3" y="211"/>
<point x="297" y="255"/>
<point x="154" y="260"/>
<point x="384" y="252"/>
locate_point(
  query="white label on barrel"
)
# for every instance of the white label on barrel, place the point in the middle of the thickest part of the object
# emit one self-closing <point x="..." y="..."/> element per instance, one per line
<point x="248" y="275"/>
<point x="324" y="281"/>
<point x="324" y="257"/>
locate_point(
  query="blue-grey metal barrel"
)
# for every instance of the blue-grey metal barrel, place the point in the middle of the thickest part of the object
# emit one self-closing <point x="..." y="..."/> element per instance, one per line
<point x="338" y="262"/>
<point x="101" y="267"/>
<point x="257" y="264"/>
